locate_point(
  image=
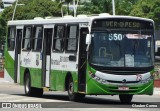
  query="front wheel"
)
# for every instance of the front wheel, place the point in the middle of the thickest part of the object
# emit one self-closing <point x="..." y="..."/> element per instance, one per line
<point x="125" y="98"/>
<point x="31" y="91"/>
<point x="72" y="95"/>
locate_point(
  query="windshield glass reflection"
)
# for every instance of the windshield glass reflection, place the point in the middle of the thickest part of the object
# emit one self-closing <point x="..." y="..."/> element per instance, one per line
<point x="121" y="49"/>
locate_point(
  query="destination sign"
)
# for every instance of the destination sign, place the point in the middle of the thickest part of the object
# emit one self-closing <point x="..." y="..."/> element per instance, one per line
<point x="117" y="24"/>
<point x="122" y="23"/>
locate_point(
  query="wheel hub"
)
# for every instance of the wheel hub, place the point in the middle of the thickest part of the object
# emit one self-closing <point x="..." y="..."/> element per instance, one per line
<point x="27" y="85"/>
<point x="71" y="88"/>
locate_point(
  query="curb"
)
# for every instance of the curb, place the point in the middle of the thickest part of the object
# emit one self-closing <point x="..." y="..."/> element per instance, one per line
<point x="2" y="80"/>
<point x="156" y="91"/>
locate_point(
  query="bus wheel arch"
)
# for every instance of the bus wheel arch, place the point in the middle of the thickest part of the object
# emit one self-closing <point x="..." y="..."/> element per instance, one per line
<point x="29" y="90"/>
<point x="27" y="83"/>
<point x="69" y="85"/>
<point x="25" y="74"/>
<point x="68" y="76"/>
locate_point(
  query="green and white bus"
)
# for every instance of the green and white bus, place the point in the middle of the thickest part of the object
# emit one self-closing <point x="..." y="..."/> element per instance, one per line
<point x="83" y="55"/>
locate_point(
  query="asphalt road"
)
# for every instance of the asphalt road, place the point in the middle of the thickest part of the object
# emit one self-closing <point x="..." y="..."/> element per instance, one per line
<point x="14" y="93"/>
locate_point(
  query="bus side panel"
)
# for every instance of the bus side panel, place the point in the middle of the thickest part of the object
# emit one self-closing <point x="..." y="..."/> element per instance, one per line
<point x="36" y="77"/>
<point x="57" y="80"/>
<point x="60" y="67"/>
<point x="22" y="72"/>
<point x="60" y="80"/>
<point x="53" y="79"/>
<point x="75" y="81"/>
<point x="32" y="62"/>
<point x="9" y="66"/>
<point x="9" y="55"/>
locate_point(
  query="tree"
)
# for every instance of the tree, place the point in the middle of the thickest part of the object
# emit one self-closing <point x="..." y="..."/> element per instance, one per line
<point x="105" y="6"/>
<point x="1" y="4"/>
<point x="124" y="7"/>
<point x="68" y="2"/>
<point x="32" y="9"/>
<point x="2" y="31"/>
<point x="2" y="28"/>
<point x="90" y="8"/>
<point x="60" y="5"/>
<point x="148" y="9"/>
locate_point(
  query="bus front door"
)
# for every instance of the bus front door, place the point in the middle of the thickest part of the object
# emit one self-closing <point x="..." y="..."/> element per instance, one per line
<point x="46" y="56"/>
<point x="17" y="54"/>
<point x="82" y="60"/>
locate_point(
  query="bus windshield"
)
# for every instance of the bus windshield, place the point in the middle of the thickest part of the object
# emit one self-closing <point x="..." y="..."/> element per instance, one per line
<point x="122" y="48"/>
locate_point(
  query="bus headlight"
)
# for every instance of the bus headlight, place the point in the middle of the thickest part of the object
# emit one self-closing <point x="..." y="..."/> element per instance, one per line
<point x="91" y="74"/>
<point x="147" y="80"/>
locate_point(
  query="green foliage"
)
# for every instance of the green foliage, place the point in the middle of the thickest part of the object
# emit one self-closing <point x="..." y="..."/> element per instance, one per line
<point x="88" y="9"/>
<point x="32" y="9"/>
<point x="2" y="30"/>
<point x="68" y="1"/>
<point x="148" y="9"/>
<point x="61" y="2"/>
<point x="122" y="7"/>
<point x="1" y="4"/>
<point x="104" y="6"/>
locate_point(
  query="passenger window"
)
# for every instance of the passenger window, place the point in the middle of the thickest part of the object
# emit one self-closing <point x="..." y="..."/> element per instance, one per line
<point x="71" y="40"/>
<point x="27" y="38"/>
<point x="37" y="38"/>
<point x="11" y="38"/>
<point x="58" y="41"/>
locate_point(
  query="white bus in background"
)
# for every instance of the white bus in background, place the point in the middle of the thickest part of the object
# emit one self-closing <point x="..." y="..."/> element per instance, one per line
<point x="8" y="3"/>
<point x="157" y="50"/>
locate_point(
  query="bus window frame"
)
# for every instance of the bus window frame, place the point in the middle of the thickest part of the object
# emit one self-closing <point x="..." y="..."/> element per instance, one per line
<point x="67" y="37"/>
<point x="31" y="38"/>
<point x="8" y="37"/>
<point x="54" y="38"/>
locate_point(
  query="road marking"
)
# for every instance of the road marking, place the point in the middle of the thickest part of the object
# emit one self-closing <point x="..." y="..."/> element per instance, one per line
<point x="35" y="100"/>
<point x="9" y="97"/>
<point x="2" y="94"/>
<point x="19" y="98"/>
<point x="157" y="92"/>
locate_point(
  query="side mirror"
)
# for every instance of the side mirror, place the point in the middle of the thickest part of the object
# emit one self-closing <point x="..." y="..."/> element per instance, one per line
<point x="88" y="39"/>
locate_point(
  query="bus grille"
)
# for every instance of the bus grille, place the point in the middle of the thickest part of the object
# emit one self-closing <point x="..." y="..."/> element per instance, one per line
<point x="111" y="81"/>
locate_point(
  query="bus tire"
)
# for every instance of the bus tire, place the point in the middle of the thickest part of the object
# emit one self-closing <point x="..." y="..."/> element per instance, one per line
<point x="31" y="91"/>
<point x="125" y="98"/>
<point x="71" y="94"/>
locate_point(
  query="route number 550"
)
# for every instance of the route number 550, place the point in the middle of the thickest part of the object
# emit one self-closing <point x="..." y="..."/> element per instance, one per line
<point x="115" y="36"/>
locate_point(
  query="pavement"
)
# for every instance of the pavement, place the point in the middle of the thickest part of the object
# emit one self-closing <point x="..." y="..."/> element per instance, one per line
<point x="3" y="81"/>
<point x="156" y="89"/>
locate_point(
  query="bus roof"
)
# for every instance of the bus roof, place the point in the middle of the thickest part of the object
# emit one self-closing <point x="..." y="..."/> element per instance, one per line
<point x="81" y="19"/>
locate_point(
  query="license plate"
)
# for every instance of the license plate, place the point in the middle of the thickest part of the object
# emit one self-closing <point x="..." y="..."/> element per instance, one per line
<point x="123" y="88"/>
